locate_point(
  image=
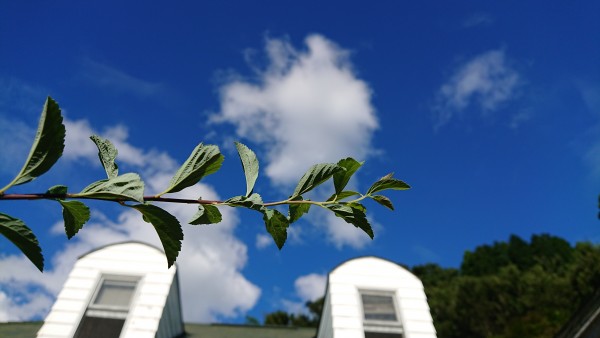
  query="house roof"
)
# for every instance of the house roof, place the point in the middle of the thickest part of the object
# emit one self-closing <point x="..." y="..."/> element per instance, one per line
<point x="29" y="330"/>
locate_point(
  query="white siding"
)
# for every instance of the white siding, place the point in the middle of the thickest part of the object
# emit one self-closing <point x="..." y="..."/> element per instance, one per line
<point x="155" y="293"/>
<point x="342" y="313"/>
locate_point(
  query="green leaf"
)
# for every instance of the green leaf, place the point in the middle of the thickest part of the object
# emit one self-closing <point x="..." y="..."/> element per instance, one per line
<point x="75" y="215"/>
<point x="47" y="147"/>
<point x="297" y="210"/>
<point x="107" y="154"/>
<point x="316" y="175"/>
<point x="167" y="227"/>
<point x="57" y="190"/>
<point x="387" y="182"/>
<point x="250" y="165"/>
<point x="17" y="232"/>
<point x="253" y="202"/>
<point x="353" y="213"/>
<point x="342" y="195"/>
<point x="127" y="186"/>
<point x="206" y="214"/>
<point x="276" y="224"/>
<point x="341" y="178"/>
<point x="203" y="161"/>
<point x="386" y="202"/>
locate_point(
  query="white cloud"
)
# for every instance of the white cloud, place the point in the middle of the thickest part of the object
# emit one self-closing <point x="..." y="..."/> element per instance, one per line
<point x="210" y="263"/>
<point x="343" y="234"/>
<point x="79" y="146"/>
<point x="307" y="106"/>
<point x="310" y="287"/>
<point x="263" y="241"/>
<point x="487" y="81"/>
<point x="307" y="288"/>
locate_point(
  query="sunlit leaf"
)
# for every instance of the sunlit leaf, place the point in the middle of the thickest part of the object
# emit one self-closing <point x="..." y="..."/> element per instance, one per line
<point x="387" y="182"/>
<point x="250" y="165"/>
<point x="316" y="175"/>
<point x="75" y="215"/>
<point x="57" y="190"/>
<point x="47" y="147"/>
<point x="353" y="213"/>
<point x="276" y="224"/>
<point x="342" y="195"/>
<point x="203" y="161"/>
<point x="107" y="154"/>
<point x="253" y="202"/>
<point x="386" y="202"/>
<point x="127" y="186"/>
<point x="206" y="214"/>
<point x="20" y="235"/>
<point x="341" y="178"/>
<point x="167" y="227"/>
<point x="296" y="211"/>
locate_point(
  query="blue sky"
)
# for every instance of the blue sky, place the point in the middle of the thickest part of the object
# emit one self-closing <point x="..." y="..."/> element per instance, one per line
<point x="491" y="111"/>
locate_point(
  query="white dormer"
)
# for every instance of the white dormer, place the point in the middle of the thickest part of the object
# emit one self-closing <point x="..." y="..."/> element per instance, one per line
<point x="118" y="291"/>
<point x="370" y="297"/>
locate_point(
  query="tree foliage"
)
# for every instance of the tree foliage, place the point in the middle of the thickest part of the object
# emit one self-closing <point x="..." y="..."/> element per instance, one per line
<point x="127" y="189"/>
<point x="512" y="289"/>
<point x="309" y="319"/>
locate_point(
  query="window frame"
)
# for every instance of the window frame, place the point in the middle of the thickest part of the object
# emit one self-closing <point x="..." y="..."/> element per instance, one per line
<point x="381" y="326"/>
<point x="119" y="312"/>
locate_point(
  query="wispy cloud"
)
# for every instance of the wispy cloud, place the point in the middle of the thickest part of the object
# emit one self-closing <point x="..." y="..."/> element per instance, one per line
<point x="211" y="256"/>
<point x="485" y="82"/>
<point x="111" y="78"/>
<point x="478" y="19"/>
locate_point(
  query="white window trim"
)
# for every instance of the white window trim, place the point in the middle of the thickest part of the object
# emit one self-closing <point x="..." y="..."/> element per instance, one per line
<point x="386" y="326"/>
<point x="101" y="310"/>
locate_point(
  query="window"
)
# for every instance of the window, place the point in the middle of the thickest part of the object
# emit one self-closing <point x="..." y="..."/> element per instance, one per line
<point x="380" y="316"/>
<point x="107" y="312"/>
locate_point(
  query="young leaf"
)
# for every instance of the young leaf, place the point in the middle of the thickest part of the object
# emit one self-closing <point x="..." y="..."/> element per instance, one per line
<point x="107" y="154"/>
<point x="354" y="214"/>
<point x="167" y="227"/>
<point x="387" y="182"/>
<point x="316" y="175"/>
<point x="276" y="224"/>
<point x="206" y="214"/>
<point x="342" y="195"/>
<point x="341" y="178"/>
<point x="127" y="186"/>
<point x="17" y="232"/>
<point x="75" y="215"/>
<point x="296" y="211"/>
<point x="253" y="202"/>
<point x="250" y="165"/>
<point x="203" y="161"/>
<point x="57" y="190"/>
<point x="47" y="147"/>
<point x="386" y="202"/>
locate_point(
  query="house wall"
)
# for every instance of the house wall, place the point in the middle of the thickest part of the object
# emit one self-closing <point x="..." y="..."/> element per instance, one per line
<point x="128" y="259"/>
<point x="343" y="306"/>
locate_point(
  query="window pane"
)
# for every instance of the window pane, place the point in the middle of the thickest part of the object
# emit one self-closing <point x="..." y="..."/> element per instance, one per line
<point x="115" y="293"/>
<point x="379" y="307"/>
<point x="92" y="327"/>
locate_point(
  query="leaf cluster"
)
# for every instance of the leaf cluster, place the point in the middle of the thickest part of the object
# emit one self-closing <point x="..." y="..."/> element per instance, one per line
<point x="127" y="189"/>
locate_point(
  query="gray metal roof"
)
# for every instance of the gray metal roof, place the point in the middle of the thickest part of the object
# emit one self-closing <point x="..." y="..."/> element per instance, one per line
<point x="29" y="330"/>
